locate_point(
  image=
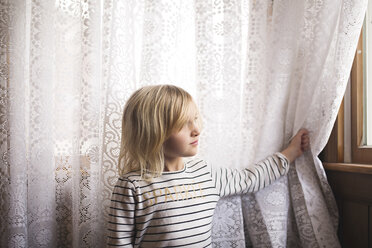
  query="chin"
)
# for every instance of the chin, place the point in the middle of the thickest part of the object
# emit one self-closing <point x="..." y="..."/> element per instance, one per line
<point x="191" y="154"/>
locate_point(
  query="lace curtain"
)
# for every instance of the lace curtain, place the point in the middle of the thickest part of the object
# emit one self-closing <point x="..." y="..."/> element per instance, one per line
<point x="259" y="70"/>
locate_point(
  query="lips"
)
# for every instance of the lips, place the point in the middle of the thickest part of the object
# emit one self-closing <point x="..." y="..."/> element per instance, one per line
<point x="195" y="142"/>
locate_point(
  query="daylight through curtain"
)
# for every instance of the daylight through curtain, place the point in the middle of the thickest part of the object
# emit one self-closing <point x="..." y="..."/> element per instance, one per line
<point x="259" y="71"/>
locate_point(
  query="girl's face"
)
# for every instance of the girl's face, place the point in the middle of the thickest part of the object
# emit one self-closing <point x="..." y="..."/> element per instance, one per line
<point x="184" y="143"/>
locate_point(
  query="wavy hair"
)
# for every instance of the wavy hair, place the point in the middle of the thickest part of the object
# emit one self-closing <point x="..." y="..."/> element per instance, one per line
<point x="150" y="115"/>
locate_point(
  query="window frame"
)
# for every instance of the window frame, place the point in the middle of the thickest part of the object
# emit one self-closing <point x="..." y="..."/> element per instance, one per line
<point x="333" y="153"/>
<point x="359" y="153"/>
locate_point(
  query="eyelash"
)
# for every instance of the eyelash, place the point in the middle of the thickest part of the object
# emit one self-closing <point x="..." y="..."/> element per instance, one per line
<point x="195" y="119"/>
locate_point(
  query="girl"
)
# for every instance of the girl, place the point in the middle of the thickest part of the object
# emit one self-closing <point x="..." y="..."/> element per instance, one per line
<point x="160" y="201"/>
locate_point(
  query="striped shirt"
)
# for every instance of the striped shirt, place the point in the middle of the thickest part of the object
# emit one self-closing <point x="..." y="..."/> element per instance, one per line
<point x="176" y="209"/>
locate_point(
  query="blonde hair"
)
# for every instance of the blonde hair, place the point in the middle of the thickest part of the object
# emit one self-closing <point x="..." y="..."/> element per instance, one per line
<point x="150" y="115"/>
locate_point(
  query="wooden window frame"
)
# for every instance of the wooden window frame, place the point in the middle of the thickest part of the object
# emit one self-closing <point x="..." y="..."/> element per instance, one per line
<point x="361" y="156"/>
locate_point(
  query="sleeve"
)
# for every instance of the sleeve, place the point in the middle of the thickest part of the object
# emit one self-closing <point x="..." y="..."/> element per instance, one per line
<point x="234" y="181"/>
<point x="121" y="224"/>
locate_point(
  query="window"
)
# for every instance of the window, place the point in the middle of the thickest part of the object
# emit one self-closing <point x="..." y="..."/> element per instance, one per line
<point x="367" y="79"/>
<point x="351" y="138"/>
<point x="361" y="98"/>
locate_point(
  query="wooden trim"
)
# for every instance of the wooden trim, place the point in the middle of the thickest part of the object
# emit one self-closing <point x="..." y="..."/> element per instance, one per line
<point x="340" y="133"/>
<point x="334" y="150"/>
<point x="359" y="154"/>
<point x="354" y="168"/>
<point x="370" y="227"/>
<point x="329" y="153"/>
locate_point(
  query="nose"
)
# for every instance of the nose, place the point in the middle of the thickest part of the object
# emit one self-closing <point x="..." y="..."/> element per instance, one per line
<point x="195" y="130"/>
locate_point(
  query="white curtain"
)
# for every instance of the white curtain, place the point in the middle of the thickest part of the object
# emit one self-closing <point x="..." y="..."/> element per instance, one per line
<point x="259" y="71"/>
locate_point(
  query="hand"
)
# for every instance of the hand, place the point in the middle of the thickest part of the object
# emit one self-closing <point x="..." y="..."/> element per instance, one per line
<point x="299" y="144"/>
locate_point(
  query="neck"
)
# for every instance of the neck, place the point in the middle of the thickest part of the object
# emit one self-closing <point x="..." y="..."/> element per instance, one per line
<point x="173" y="163"/>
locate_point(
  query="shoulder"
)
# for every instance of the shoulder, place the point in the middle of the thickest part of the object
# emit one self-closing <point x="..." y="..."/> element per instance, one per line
<point x="196" y="164"/>
<point x="128" y="180"/>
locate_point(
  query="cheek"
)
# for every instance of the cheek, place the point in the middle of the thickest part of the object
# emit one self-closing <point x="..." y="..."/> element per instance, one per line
<point x="175" y="143"/>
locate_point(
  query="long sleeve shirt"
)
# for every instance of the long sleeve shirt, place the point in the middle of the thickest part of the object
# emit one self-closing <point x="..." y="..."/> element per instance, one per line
<point x="176" y="208"/>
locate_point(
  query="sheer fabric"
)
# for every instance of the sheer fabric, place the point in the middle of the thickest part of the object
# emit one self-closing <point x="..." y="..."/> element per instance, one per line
<point x="259" y="70"/>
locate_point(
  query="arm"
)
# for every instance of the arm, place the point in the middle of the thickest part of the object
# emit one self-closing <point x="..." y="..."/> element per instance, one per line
<point x="121" y="225"/>
<point x="233" y="181"/>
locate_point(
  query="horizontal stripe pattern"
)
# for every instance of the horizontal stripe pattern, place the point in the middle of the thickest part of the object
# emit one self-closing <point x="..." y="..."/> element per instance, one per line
<point x="233" y="181"/>
<point x="176" y="209"/>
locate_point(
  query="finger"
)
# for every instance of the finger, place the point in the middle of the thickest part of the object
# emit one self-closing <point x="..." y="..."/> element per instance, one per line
<point x="305" y="137"/>
<point x="307" y="140"/>
<point x="299" y="134"/>
<point x="305" y="146"/>
<point x="303" y="131"/>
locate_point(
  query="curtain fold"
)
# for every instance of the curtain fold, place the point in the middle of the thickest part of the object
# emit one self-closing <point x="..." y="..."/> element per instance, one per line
<point x="259" y="71"/>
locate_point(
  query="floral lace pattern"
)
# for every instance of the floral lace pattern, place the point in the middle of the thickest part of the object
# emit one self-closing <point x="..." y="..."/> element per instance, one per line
<point x="259" y="71"/>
